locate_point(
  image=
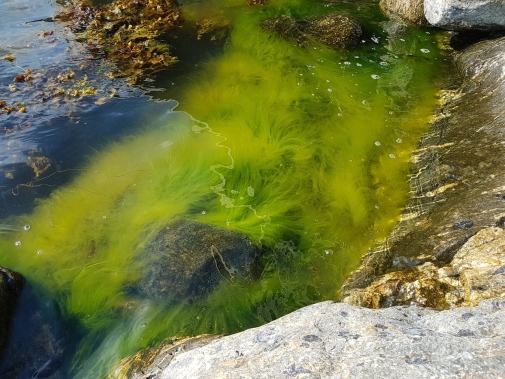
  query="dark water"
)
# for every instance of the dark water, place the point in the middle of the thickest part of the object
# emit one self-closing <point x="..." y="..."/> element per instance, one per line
<point x="304" y="150"/>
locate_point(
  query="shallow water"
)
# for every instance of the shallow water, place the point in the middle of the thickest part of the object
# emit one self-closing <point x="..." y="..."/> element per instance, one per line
<point x="303" y="149"/>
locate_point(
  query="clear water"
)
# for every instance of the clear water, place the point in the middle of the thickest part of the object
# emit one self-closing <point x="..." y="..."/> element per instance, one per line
<point x="303" y="149"/>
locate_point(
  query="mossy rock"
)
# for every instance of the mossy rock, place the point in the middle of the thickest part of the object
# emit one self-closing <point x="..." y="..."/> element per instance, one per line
<point x="333" y="30"/>
<point x="187" y="260"/>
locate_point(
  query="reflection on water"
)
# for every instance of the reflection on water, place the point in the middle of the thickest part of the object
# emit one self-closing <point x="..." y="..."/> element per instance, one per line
<point x="302" y="149"/>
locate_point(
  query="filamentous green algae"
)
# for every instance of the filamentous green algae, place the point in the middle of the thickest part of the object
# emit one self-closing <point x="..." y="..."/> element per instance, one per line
<point x="304" y="149"/>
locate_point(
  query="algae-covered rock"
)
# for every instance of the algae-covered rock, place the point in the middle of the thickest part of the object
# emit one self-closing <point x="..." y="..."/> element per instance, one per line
<point x="335" y="340"/>
<point x="11" y="284"/>
<point x="333" y="30"/>
<point x="458" y="182"/>
<point x="411" y="11"/>
<point x="131" y="33"/>
<point x="187" y="260"/>
<point x="150" y="363"/>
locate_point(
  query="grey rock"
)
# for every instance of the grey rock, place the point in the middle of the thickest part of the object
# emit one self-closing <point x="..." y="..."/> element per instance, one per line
<point x="187" y="260"/>
<point x="458" y="183"/>
<point x="480" y="264"/>
<point x="11" y="284"/>
<point x="411" y="11"/>
<point x="337" y="340"/>
<point x="466" y="15"/>
<point x="334" y="30"/>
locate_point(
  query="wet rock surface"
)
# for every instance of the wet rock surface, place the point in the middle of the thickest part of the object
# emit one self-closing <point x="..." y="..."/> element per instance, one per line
<point x="337" y="340"/>
<point x="37" y="344"/>
<point x="187" y="260"/>
<point x="333" y="30"/>
<point x="476" y="273"/>
<point x="466" y="15"/>
<point x="411" y="11"/>
<point x="458" y="189"/>
<point x="150" y="363"/>
<point x="11" y="284"/>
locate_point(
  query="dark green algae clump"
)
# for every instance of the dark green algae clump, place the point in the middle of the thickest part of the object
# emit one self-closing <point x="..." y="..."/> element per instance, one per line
<point x="304" y="149"/>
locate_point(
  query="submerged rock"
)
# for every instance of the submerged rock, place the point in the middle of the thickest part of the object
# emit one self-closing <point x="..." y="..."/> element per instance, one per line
<point x="466" y="15"/>
<point x="188" y="260"/>
<point x="333" y="30"/>
<point x="411" y="10"/>
<point x="459" y="189"/>
<point x="38" y="339"/>
<point x="336" y="340"/>
<point x="11" y="284"/>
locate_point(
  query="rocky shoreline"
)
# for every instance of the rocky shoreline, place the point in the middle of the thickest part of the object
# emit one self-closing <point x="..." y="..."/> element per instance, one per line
<point x="446" y="254"/>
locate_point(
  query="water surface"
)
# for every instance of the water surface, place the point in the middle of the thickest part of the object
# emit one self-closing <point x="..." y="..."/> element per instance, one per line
<point x="303" y="149"/>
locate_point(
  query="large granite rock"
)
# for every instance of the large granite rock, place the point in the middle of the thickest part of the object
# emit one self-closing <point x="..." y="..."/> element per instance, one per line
<point x="466" y="15"/>
<point x="458" y="186"/>
<point x="337" y="340"/>
<point x="11" y="284"/>
<point x="334" y="30"/>
<point x="411" y="11"/>
<point x="187" y="260"/>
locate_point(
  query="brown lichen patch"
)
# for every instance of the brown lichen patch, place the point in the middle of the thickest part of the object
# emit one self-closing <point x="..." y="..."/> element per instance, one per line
<point x="131" y="33"/>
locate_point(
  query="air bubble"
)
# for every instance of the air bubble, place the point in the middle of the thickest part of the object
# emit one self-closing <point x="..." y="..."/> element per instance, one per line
<point x="384" y="63"/>
<point x="203" y="212"/>
<point x="377" y="143"/>
<point x="330" y="90"/>
<point x="359" y="64"/>
<point x="347" y="63"/>
<point x="375" y="39"/>
<point x="425" y="51"/>
<point x="374" y="76"/>
<point x="399" y="140"/>
<point x="392" y="156"/>
<point x="328" y="252"/>
<point x="365" y="103"/>
<point x="250" y="191"/>
<point x="39" y="252"/>
<point x="26" y="228"/>
<point x="17" y="243"/>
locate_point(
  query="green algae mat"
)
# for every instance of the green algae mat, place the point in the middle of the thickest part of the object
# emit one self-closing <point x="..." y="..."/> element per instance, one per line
<point x="300" y="147"/>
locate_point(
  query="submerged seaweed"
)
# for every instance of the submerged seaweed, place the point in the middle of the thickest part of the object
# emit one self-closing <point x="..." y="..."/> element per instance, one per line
<point x="304" y="150"/>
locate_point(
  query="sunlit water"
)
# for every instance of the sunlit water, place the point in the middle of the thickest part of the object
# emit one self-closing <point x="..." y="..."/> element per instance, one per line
<point x="303" y="149"/>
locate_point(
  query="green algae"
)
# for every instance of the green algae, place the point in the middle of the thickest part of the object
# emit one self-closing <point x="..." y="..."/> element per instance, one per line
<point x="304" y="149"/>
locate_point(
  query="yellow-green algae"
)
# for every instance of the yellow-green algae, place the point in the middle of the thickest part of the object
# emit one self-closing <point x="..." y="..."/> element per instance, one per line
<point x="304" y="149"/>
